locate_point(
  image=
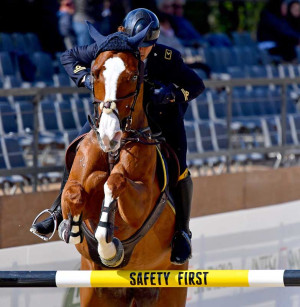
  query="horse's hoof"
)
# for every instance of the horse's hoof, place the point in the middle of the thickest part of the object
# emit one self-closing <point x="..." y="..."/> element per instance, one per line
<point x="118" y="258"/>
<point x="66" y="232"/>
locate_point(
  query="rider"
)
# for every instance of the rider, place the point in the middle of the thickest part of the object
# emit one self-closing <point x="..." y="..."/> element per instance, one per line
<point x="177" y="85"/>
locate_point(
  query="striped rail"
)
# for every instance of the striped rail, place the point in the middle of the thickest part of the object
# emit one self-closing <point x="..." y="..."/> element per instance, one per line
<point x="189" y="278"/>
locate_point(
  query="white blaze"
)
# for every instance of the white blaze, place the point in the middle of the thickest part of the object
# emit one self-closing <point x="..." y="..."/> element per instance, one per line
<point x="109" y="127"/>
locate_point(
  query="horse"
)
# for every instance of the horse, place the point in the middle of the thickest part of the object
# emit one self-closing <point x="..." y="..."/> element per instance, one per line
<point x="115" y="165"/>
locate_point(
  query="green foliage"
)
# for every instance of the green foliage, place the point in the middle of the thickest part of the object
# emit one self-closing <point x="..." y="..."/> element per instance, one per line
<point x="224" y="16"/>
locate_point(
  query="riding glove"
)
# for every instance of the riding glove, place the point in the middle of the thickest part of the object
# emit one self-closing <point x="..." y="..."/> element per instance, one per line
<point x="88" y="82"/>
<point x="164" y="95"/>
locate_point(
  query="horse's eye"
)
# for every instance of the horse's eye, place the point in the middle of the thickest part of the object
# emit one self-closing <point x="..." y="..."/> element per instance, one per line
<point x="134" y="78"/>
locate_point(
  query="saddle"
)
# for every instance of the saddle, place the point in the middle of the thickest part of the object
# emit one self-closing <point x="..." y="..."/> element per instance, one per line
<point x="71" y="151"/>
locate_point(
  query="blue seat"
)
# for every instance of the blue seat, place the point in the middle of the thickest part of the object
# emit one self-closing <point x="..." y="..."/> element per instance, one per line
<point x="257" y="71"/>
<point x="191" y="137"/>
<point x="243" y="39"/>
<point x="203" y="110"/>
<point x="44" y="68"/>
<point x="6" y="42"/>
<point x="20" y="42"/>
<point x="15" y="152"/>
<point x="60" y="80"/>
<point x="66" y="121"/>
<point x="206" y="137"/>
<point x="189" y="112"/>
<point x="215" y="59"/>
<point x="48" y="120"/>
<point x="6" y="65"/>
<point x="8" y="120"/>
<point x="33" y="42"/>
<point x="218" y="40"/>
<point x="236" y="72"/>
<point x="272" y="128"/>
<point x="221" y="136"/>
<point x="78" y="108"/>
<point x="227" y="58"/>
<point x="9" y="158"/>
<point x="192" y="143"/>
<point x="246" y="103"/>
<point x="245" y="56"/>
<point x="295" y="118"/>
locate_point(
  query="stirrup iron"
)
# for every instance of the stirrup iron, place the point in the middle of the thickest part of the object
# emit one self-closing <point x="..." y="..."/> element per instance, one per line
<point x="45" y="237"/>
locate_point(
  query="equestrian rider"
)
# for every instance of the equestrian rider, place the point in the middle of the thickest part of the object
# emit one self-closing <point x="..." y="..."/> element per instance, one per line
<point x="169" y="85"/>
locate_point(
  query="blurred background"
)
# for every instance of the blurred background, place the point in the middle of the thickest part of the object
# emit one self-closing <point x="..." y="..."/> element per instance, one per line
<point x="243" y="132"/>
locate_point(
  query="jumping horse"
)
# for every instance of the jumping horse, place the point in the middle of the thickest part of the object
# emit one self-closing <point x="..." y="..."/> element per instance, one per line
<point x="115" y="165"/>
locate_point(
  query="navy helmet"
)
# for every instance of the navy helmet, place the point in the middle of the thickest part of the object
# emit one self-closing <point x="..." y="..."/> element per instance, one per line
<point x="137" y="20"/>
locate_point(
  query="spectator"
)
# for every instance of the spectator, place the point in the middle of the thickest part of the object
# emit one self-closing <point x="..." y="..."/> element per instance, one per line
<point x="184" y="30"/>
<point x="65" y="22"/>
<point x="277" y="32"/>
<point x="167" y="34"/>
<point x="112" y="14"/>
<point x="167" y="37"/>
<point x="89" y="10"/>
<point x="293" y="14"/>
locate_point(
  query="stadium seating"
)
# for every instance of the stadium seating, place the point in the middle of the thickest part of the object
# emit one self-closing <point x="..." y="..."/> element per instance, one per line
<point x="255" y="110"/>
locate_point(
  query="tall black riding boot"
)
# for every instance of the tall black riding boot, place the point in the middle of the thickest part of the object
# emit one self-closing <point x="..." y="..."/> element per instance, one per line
<point x="181" y="243"/>
<point x="45" y="227"/>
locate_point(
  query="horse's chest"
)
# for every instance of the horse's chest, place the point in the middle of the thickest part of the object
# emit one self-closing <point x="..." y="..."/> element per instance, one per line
<point x="132" y="296"/>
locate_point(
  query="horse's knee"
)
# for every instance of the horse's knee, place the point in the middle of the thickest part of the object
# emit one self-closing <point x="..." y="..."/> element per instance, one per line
<point x="116" y="183"/>
<point x="73" y="199"/>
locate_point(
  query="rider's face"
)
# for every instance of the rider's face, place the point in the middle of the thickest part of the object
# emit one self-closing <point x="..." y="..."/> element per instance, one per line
<point x="144" y="51"/>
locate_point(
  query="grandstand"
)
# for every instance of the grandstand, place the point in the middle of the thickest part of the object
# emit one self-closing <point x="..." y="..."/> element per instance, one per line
<point x="248" y="114"/>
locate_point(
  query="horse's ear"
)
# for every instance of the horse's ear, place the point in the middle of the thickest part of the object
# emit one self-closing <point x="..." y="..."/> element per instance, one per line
<point x="96" y="36"/>
<point x="136" y="40"/>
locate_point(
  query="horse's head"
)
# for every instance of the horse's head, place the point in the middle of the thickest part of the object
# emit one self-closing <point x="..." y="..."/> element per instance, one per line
<point x="116" y="77"/>
<point x="116" y="84"/>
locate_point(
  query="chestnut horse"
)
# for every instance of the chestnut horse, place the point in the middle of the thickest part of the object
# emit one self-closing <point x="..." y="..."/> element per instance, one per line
<point x="115" y="165"/>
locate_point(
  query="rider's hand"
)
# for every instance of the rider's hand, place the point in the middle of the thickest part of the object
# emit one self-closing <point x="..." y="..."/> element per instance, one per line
<point x="88" y="82"/>
<point x="164" y="95"/>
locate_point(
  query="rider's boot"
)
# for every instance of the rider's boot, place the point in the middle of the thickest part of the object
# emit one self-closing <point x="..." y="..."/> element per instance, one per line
<point x="46" y="227"/>
<point x="181" y="242"/>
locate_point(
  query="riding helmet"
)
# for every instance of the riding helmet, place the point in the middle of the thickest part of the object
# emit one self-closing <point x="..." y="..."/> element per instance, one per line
<point x="137" y="20"/>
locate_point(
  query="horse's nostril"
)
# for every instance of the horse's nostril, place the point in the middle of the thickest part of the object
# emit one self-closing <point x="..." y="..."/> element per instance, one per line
<point x="117" y="136"/>
<point x="113" y="143"/>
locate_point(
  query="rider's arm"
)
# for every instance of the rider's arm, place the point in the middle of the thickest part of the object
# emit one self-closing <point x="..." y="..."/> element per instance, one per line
<point x="166" y="65"/>
<point x="77" y="62"/>
<point x="188" y="84"/>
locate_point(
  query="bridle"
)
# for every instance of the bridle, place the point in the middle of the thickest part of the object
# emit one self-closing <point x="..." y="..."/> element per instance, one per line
<point x="110" y="106"/>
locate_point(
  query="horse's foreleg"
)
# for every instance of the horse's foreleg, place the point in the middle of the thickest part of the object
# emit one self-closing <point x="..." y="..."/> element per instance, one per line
<point x="74" y="198"/>
<point x="110" y="249"/>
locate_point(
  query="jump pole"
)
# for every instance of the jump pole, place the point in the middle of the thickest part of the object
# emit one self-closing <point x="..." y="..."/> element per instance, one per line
<point x="160" y="278"/>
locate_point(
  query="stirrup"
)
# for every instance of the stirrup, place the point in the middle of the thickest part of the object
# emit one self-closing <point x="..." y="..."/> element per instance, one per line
<point x="44" y="237"/>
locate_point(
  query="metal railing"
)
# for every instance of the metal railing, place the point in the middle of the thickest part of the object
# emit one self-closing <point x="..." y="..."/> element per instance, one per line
<point x="38" y="94"/>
